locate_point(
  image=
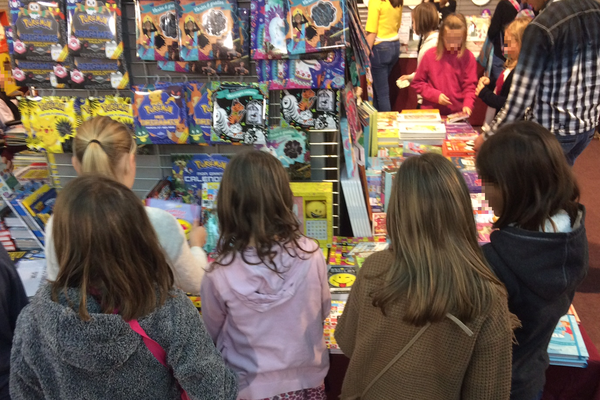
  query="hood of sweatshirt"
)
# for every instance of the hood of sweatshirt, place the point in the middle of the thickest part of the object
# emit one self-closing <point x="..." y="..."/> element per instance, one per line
<point x="549" y="264"/>
<point x="101" y="344"/>
<point x="258" y="287"/>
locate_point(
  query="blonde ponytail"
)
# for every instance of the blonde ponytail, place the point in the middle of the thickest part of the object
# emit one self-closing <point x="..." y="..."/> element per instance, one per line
<point x="100" y="145"/>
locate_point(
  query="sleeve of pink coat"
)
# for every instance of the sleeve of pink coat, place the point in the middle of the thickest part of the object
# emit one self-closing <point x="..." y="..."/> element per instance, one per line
<point x="421" y="82"/>
<point x="469" y="83"/>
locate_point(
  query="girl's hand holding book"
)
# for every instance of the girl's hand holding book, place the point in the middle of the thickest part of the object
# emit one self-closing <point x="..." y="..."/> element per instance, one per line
<point x="197" y="235"/>
<point x="467" y="111"/>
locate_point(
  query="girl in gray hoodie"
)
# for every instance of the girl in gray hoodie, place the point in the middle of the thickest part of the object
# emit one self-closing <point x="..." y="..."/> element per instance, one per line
<point x="76" y="339"/>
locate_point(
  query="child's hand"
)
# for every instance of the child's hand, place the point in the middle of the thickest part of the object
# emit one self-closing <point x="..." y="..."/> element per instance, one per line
<point x="444" y="100"/>
<point x="467" y="111"/>
<point x="198" y="235"/>
<point x="484" y="80"/>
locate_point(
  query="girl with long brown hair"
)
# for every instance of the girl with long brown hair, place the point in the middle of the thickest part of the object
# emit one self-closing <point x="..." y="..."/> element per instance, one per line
<point x="106" y="147"/>
<point x="427" y="319"/>
<point x="266" y="296"/>
<point x="93" y="332"/>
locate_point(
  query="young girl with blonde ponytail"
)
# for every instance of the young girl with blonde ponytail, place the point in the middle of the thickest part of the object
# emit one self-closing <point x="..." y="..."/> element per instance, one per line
<point x="106" y="147"/>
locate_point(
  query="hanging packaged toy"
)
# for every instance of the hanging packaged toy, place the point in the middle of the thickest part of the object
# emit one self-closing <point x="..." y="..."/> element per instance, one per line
<point x="315" y="25"/>
<point x="240" y="113"/>
<point x="160" y="114"/>
<point x="95" y="28"/>
<point x="98" y="73"/>
<point x="38" y="30"/>
<point x="310" y="109"/>
<point x="209" y="30"/>
<point x="26" y="105"/>
<point x="269" y="29"/>
<point x="157" y="30"/>
<point x="53" y="122"/>
<point x="291" y="147"/>
<point x="43" y="74"/>
<point x="116" y="107"/>
<point x="199" y="106"/>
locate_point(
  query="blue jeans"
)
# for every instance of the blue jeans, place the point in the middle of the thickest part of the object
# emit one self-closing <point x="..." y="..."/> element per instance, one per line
<point x="573" y="145"/>
<point x="383" y="58"/>
<point x="497" y="67"/>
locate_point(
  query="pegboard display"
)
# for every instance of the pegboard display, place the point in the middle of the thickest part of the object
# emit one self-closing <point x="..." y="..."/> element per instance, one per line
<point x="154" y="161"/>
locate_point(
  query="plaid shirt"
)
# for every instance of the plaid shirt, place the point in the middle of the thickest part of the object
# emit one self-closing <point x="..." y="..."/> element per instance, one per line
<point x="557" y="80"/>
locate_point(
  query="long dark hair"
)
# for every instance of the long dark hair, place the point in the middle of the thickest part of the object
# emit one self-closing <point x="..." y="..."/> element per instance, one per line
<point x="438" y="266"/>
<point x="107" y="247"/>
<point x="254" y="208"/>
<point x="528" y="165"/>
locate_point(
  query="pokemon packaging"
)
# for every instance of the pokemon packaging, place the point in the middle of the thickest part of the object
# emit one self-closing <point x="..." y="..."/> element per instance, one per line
<point x="310" y="109"/>
<point x="315" y="25"/>
<point x="38" y="30"/>
<point x="53" y="121"/>
<point x="160" y="114"/>
<point x="99" y="74"/>
<point x="191" y="171"/>
<point x="157" y="30"/>
<point x="94" y="28"/>
<point x="116" y="107"/>
<point x="209" y="30"/>
<point x="199" y="104"/>
<point x="43" y="74"/>
<point x="240" y="113"/>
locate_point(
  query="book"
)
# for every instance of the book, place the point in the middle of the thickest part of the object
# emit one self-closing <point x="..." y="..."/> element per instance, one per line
<point x="416" y="149"/>
<point x="190" y="171"/>
<point x="433" y="116"/>
<point x="464" y="163"/>
<point x="185" y="214"/>
<point x="459" y="116"/>
<point x="32" y="273"/>
<point x="291" y="147"/>
<point x="313" y="207"/>
<point x="460" y="131"/>
<point x="566" y="344"/>
<point x="379" y="224"/>
<point x="574" y="314"/>
<point x="341" y="278"/>
<point x="337" y="308"/>
<point x="458" y="148"/>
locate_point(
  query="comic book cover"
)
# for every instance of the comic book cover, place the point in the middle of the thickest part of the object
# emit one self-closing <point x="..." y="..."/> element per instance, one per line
<point x="240" y="113"/>
<point x="44" y="74"/>
<point x="291" y="147"/>
<point x="157" y="30"/>
<point x="95" y="29"/>
<point x="38" y="31"/>
<point x="209" y="30"/>
<point x="199" y="112"/>
<point x="311" y="109"/>
<point x="88" y="73"/>
<point x="160" y="114"/>
<point x="315" y="25"/>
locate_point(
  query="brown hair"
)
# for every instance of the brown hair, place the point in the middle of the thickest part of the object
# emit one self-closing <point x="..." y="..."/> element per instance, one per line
<point x="529" y="167"/>
<point x="452" y="21"/>
<point x="516" y="30"/>
<point x="438" y="266"/>
<point x="254" y="208"/>
<point x="107" y="247"/>
<point x="426" y="17"/>
<point x="396" y="3"/>
<point x="100" y="145"/>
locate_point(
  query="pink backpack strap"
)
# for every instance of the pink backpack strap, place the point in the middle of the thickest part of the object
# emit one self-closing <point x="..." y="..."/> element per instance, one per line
<point x="515" y="5"/>
<point x="156" y="349"/>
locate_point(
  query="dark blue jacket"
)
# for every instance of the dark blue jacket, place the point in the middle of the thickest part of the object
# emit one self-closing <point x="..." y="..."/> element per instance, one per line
<point x="12" y="301"/>
<point x="541" y="272"/>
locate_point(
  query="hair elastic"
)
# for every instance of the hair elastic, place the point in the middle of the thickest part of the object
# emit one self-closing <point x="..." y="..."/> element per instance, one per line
<point x="95" y="141"/>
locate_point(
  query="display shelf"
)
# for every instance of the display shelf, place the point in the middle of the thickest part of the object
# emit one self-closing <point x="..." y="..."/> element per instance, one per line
<point x="153" y="162"/>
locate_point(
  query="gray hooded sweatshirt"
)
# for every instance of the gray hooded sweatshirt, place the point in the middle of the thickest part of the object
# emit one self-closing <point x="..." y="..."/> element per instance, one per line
<point x="56" y="355"/>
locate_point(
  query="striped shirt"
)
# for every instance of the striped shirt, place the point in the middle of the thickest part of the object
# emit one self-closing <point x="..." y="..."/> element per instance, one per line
<point x="557" y="80"/>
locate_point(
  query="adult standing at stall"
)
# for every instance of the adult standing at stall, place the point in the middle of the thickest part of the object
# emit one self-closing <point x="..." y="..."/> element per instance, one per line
<point x="557" y="80"/>
<point x="383" y="23"/>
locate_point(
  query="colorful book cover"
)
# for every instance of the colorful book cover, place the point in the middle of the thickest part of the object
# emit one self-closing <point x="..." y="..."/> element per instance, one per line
<point x="472" y="180"/>
<point x="199" y="105"/>
<point x="95" y="29"/>
<point x="310" y="109"/>
<point x="337" y="308"/>
<point x="160" y="114"/>
<point x="269" y="29"/>
<point x="416" y="149"/>
<point x="459" y="116"/>
<point x="291" y="147"/>
<point x="315" y="25"/>
<point x="157" y="30"/>
<point x="433" y="116"/>
<point x="379" y="224"/>
<point x="349" y="156"/>
<point x="567" y="341"/>
<point x="38" y="31"/>
<point x="240" y="113"/>
<point x="191" y="171"/>
<point x="209" y="30"/>
<point x="464" y="163"/>
<point x="186" y="214"/>
<point x="457" y="148"/>
<point x="341" y="279"/>
<point x="313" y="207"/>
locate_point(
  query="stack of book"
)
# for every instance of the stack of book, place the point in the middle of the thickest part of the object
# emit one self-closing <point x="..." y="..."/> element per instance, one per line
<point x="354" y="196"/>
<point x="462" y="131"/>
<point x="567" y="347"/>
<point x="337" y="308"/>
<point x="423" y="126"/>
<point x="388" y="130"/>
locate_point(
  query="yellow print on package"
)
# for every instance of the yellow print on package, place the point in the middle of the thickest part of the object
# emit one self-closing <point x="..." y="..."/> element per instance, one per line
<point x="53" y="122"/>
